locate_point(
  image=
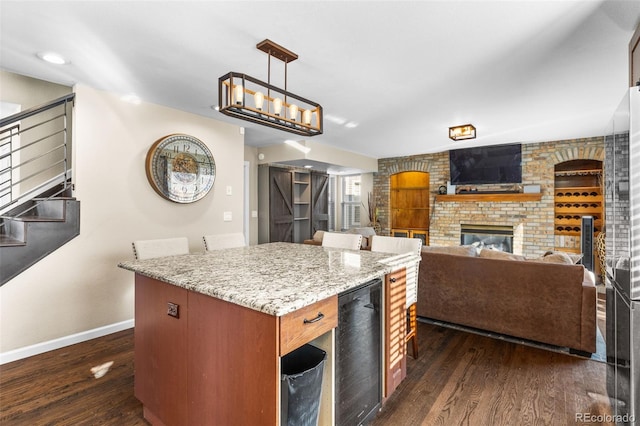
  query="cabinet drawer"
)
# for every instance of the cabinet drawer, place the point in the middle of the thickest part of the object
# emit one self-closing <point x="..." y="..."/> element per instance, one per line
<point x="305" y="324"/>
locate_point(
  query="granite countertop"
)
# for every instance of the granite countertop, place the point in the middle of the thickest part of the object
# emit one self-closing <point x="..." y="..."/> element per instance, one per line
<point x="274" y="278"/>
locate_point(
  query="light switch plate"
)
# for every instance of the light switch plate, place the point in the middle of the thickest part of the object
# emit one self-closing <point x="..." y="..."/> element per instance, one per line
<point x="229" y="190"/>
<point x="227" y="216"/>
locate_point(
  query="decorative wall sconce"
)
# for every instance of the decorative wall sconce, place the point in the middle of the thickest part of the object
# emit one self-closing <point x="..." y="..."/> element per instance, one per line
<point x="248" y="98"/>
<point x="466" y="131"/>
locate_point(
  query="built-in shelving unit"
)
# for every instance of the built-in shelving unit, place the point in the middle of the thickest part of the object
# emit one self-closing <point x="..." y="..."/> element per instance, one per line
<point x="301" y="205"/>
<point x="578" y="193"/>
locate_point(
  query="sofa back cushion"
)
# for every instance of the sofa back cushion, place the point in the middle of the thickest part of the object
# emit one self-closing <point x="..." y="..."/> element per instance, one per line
<point x="497" y="254"/>
<point x="455" y="250"/>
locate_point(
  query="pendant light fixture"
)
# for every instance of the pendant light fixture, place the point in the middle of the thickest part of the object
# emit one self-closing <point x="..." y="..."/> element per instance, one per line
<point x="247" y="98"/>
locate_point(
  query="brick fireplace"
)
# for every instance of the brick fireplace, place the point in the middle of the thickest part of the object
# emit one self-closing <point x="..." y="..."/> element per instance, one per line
<point x="532" y="221"/>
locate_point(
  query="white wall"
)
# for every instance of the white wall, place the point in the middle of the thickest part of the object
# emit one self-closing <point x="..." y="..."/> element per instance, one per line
<point x="79" y="287"/>
<point x="29" y="92"/>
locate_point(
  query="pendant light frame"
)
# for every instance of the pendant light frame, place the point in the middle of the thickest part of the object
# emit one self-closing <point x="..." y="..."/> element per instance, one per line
<point x="236" y="93"/>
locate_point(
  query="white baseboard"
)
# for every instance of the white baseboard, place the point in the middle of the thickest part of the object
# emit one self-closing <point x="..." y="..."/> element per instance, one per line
<point x="61" y="342"/>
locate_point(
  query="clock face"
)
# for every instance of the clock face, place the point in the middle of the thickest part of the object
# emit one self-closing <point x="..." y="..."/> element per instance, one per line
<point x="180" y="168"/>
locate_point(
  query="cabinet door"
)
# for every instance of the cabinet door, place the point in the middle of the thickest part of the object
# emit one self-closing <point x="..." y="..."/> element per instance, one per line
<point x="233" y="364"/>
<point x="395" y="330"/>
<point x="319" y="202"/>
<point x="280" y="205"/>
<point x="423" y="235"/>
<point x="160" y="351"/>
<point x="404" y="233"/>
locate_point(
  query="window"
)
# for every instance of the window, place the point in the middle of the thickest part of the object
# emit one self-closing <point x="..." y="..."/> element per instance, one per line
<point x="351" y="201"/>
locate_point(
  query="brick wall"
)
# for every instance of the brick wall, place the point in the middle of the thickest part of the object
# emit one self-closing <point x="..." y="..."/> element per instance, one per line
<point x="532" y="220"/>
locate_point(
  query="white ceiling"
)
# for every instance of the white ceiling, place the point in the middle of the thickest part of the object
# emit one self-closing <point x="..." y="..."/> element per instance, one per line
<point x="520" y="71"/>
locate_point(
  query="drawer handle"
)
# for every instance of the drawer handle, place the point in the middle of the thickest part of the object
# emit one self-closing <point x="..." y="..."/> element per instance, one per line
<point x="393" y="279"/>
<point x="316" y="319"/>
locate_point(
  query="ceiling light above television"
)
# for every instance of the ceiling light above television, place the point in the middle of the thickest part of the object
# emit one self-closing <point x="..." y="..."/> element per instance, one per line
<point x="465" y="131"/>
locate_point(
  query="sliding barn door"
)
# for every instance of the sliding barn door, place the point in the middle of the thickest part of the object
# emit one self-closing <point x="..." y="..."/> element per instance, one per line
<point x="280" y="205"/>
<point x="319" y="202"/>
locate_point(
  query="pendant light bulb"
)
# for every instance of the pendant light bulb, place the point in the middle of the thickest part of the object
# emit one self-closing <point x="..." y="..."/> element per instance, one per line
<point x="238" y="91"/>
<point x="258" y="98"/>
<point x="277" y="106"/>
<point x="293" y="112"/>
<point x="306" y="117"/>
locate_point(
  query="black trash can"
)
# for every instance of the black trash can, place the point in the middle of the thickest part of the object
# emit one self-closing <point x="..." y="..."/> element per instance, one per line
<point x="301" y="386"/>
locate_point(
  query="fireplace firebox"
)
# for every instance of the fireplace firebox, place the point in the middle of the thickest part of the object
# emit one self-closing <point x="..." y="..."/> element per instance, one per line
<point x="495" y="237"/>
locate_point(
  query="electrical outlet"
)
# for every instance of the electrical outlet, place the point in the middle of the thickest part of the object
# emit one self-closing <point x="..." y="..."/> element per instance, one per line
<point x="227" y="216"/>
<point x="173" y="310"/>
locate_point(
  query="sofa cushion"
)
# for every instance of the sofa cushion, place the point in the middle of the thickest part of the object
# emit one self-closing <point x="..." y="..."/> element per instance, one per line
<point x="557" y="257"/>
<point x="497" y="254"/>
<point x="575" y="257"/>
<point x="456" y="250"/>
<point x="589" y="277"/>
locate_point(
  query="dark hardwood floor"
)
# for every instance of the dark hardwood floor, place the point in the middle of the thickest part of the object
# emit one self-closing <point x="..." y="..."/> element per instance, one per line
<point x="460" y="378"/>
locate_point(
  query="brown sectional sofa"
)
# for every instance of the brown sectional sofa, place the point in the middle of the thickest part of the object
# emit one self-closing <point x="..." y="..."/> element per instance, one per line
<point x="544" y="302"/>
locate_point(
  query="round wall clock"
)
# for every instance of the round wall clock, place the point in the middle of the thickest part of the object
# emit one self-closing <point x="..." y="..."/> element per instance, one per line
<point x="180" y="168"/>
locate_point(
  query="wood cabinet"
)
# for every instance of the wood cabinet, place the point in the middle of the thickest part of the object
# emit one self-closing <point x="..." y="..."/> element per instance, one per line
<point x="201" y="360"/>
<point x="292" y="204"/>
<point x="410" y="212"/>
<point x="305" y="324"/>
<point x="188" y="368"/>
<point x="161" y="351"/>
<point x="395" y="331"/>
<point x="412" y="233"/>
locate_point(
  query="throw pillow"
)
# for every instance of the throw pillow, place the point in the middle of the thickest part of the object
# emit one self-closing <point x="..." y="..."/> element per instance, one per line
<point x="455" y="250"/>
<point x="318" y="236"/>
<point x="557" y="257"/>
<point x="575" y="257"/>
<point x="497" y="254"/>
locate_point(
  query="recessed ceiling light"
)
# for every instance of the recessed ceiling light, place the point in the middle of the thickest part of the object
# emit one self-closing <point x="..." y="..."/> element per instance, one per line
<point x="335" y="119"/>
<point x="132" y="98"/>
<point x="52" y="58"/>
<point x="298" y="146"/>
<point x="308" y="166"/>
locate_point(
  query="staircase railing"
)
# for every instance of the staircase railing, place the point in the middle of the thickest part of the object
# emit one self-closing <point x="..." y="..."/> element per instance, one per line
<point x="35" y="154"/>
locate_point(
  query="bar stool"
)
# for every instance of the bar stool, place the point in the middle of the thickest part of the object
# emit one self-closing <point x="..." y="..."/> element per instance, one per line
<point x="223" y="241"/>
<point x="340" y="240"/>
<point x="400" y="245"/>
<point x="148" y="249"/>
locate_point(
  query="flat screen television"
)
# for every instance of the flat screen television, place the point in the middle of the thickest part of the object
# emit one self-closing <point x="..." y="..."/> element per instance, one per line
<point x="486" y="164"/>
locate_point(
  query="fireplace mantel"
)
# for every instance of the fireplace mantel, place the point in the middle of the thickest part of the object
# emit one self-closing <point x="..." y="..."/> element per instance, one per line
<point x="490" y="197"/>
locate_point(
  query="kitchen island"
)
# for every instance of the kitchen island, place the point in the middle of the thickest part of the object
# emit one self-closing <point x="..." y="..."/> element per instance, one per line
<point x="211" y="327"/>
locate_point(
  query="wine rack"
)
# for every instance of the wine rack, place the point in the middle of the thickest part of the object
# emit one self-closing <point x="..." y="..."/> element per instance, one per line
<point x="577" y="193"/>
